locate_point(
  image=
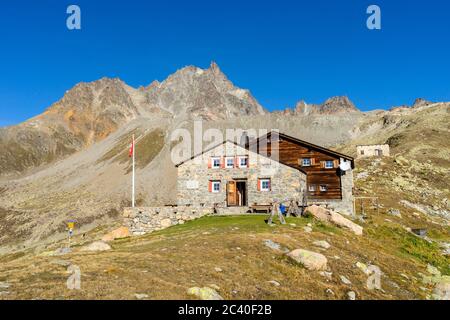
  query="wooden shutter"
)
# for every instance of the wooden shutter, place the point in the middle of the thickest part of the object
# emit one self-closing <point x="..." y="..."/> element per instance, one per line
<point x="323" y="164"/>
<point x="236" y="162"/>
<point x="258" y="186"/>
<point x="210" y="186"/>
<point x="222" y="162"/>
<point x="209" y="163"/>
<point x="313" y="161"/>
<point x="270" y="185"/>
<point x="336" y="163"/>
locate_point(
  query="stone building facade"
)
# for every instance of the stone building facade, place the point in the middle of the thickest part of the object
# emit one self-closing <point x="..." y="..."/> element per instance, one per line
<point x="220" y="177"/>
<point x="375" y="150"/>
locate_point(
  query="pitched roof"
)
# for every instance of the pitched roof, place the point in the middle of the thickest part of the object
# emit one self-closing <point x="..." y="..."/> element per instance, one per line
<point x="280" y="135"/>
<point x="237" y="144"/>
<point x="304" y="143"/>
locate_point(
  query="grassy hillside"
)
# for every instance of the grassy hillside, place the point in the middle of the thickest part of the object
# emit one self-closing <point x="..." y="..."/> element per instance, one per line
<point x="165" y="264"/>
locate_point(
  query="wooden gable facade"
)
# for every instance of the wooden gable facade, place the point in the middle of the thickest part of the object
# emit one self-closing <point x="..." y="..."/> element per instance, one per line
<point x="321" y="165"/>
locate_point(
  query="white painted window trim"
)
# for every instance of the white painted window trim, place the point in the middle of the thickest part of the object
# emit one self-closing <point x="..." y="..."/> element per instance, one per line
<point x="239" y="161"/>
<point x="312" y="188"/>
<point x="306" y="165"/>
<point x="326" y="164"/>
<point x="323" y="188"/>
<point x="212" y="162"/>
<point x="226" y="162"/>
<point x="261" y="187"/>
<point x="214" y="183"/>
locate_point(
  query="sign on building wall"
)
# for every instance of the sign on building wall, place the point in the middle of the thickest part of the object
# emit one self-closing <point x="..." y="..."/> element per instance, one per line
<point x="192" y="184"/>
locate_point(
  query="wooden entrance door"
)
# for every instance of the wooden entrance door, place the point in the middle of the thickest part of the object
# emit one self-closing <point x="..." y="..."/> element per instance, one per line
<point x="231" y="193"/>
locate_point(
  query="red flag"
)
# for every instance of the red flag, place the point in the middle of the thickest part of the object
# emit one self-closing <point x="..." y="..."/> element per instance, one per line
<point x="131" y="148"/>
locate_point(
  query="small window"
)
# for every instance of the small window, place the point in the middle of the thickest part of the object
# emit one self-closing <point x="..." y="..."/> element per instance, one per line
<point x="243" y="162"/>
<point x="265" y="185"/>
<point x="362" y="152"/>
<point x="215" y="186"/>
<point x="329" y="164"/>
<point x="312" y="188"/>
<point x="323" y="188"/>
<point x="215" y="162"/>
<point x="306" y="162"/>
<point x="229" y="162"/>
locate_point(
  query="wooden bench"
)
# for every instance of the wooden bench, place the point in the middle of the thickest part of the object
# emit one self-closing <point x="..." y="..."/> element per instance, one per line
<point x="261" y="207"/>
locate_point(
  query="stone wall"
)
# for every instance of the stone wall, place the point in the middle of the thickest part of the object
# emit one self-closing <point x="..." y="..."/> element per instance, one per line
<point x="194" y="176"/>
<point x="370" y="150"/>
<point x="145" y="220"/>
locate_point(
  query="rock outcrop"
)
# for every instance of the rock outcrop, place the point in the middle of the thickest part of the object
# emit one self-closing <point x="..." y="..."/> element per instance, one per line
<point x="97" y="246"/>
<point x="119" y="233"/>
<point x="309" y="259"/>
<point x="204" y="293"/>
<point x="335" y="218"/>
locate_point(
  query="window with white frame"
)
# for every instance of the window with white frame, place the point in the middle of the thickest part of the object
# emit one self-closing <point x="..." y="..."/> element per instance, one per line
<point x="329" y="164"/>
<point x="323" y="188"/>
<point x="311" y="188"/>
<point x="265" y="185"/>
<point x="243" y="162"/>
<point x="215" y="186"/>
<point x="215" y="162"/>
<point x="229" y="162"/>
<point x="306" y="162"/>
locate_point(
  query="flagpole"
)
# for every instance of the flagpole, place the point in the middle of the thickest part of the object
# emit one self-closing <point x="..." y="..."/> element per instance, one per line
<point x="133" y="178"/>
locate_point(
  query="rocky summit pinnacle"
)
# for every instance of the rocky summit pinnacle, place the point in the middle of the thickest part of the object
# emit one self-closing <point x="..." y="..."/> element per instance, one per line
<point x="334" y="105"/>
<point x="203" y="93"/>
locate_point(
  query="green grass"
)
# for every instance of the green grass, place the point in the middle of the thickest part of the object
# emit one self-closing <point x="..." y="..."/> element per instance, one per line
<point x="412" y="246"/>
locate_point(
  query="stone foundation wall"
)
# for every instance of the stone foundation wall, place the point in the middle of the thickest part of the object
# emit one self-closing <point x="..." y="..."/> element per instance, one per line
<point x="145" y="220"/>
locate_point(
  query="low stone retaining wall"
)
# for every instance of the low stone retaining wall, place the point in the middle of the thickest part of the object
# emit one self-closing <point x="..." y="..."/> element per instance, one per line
<point x="145" y="220"/>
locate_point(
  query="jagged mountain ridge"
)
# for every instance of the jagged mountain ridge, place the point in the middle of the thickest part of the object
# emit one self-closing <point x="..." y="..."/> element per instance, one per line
<point x="90" y="112"/>
<point x="333" y="105"/>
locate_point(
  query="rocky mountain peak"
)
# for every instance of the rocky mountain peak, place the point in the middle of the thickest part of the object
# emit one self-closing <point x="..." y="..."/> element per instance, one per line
<point x="203" y="93"/>
<point x="334" y="105"/>
<point x="420" y="102"/>
<point x="342" y="102"/>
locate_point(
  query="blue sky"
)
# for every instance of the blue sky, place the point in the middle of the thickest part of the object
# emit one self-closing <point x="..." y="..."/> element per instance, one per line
<point x="283" y="51"/>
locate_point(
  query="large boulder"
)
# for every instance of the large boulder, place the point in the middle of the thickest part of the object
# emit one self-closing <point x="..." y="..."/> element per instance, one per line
<point x="310" y="260"/>
<point x="122" y="232"/>
<point x="97" y="246"/>
<point x="335" y="218"/>
<point x="204" y="293"/>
